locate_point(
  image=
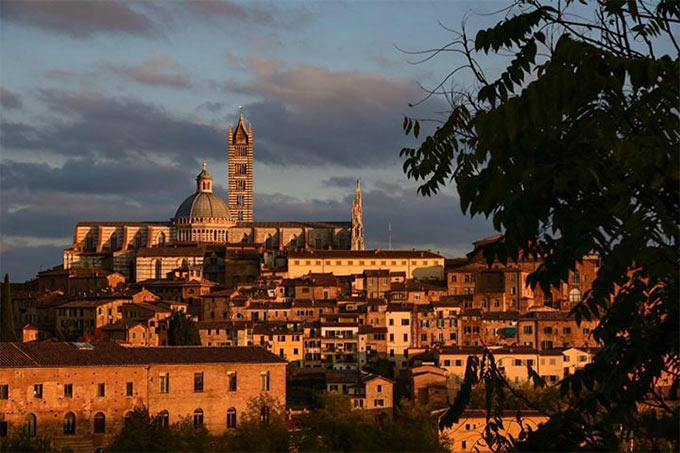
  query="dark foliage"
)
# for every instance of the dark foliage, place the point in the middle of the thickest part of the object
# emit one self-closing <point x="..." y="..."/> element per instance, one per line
<point x="583" y="159"/>
<point x="7" y="332"/>
<point x="21" y="441"/>
<point x="183" y="330"/>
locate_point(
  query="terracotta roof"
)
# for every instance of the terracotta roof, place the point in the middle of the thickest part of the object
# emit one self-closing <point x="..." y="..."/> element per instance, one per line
<point x="173" y="282"/>
<point x="123" y="324"/>
<point x="372" y="329"/>
<point x="377" y="272"/>
<point x="547" y="315"/>
<point x="399" y="307"/>
<point x="463" y="350"/>
<point x="150" y="307"/>
<point x="387" y="254"/>
<point x="238" y="324"/>
<point x="501" y="315"/>
<point x="90" y="303"/>
<point x="60" y="354"/>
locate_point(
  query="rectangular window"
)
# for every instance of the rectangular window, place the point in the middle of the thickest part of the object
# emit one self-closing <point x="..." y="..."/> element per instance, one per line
<point x="264" y="381"/>
<point x="37" y="391"/>
<point x="4" y="428"/>
<point x="447" y="363"/>
<point x="404" y="322"/>
<point x="379" y="403"/>
<point x="379" y="388"/>
<point x="231" y="378"/>
<point x="165" y="383"/>
<point x="4" y="392"/>
<point x="129" y="389"/>
<point x="101" y="390"/>
<point x="68" y="390"/>
<point x="198" y="382"/>
<point x="405" y="337"/>
<point x="459" y="363"/>
<point x="527" y="329"/>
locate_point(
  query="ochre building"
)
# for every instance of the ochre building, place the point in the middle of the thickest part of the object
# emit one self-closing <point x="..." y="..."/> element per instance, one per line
<point x="79" y="394"/>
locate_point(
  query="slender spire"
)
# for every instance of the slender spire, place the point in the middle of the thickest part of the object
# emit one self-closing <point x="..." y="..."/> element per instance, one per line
<point x="357" y="220"/>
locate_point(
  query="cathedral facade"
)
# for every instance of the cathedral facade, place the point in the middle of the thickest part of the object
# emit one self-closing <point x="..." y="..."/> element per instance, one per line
<point x="203" y="224"/>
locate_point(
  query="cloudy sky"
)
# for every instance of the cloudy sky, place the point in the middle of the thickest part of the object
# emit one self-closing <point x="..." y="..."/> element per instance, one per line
<point x="108" y="109"/>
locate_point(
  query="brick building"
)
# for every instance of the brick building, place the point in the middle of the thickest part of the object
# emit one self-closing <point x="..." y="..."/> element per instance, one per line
<point x="78" y="394"/>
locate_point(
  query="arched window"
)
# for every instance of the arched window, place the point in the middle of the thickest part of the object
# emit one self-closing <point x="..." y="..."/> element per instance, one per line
<point x="245" y="235"/>
<point x="31" y="425"/>
<point x="127" y="418"/>
<point x="264" y="414"/>
<point x="159" y="270"/>
<point x="114" y="242"/>
<point x="215" y="235"/>
<point x="70" y="423"/>
<point x="231" y="418"/>
<point x="164" y="417"/>
<point x="161" y="239"/>
<point x="99" y="423"/>
<point x="198" y="418"/>
<point x="576" y="278"/>
<point x="268" y="242"/>
<point x="575" y="295"/>
<point x="292" y="245"/>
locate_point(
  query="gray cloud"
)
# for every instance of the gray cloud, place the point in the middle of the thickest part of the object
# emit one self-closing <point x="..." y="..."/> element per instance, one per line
<point x="23" y="263"/>
<point x="435" y="222"/>
<point x="9" y="100"/>
<point x="340" y="181"/>
<point x="124" y="176"/>
<point x="76" y="18"/>
<point x="212" y="107"/>
<point x="266" y="14"/>
<point x="163" y="70"/>
<point x="311" y="116"/>
<point x="91" y="125"/>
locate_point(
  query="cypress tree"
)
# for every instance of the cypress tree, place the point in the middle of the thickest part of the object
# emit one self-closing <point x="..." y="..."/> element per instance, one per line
<point x="7" y="332"/>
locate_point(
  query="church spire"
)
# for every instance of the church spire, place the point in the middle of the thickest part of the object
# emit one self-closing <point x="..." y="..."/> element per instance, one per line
<point x="357" y="220"/>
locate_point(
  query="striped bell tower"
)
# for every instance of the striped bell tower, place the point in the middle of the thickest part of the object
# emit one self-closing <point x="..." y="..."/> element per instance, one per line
<point x="240" y="140"/>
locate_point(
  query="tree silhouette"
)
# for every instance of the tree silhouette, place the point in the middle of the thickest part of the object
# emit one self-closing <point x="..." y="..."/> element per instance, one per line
<point x="572" y="150"/>
<point x="7" y="332"/>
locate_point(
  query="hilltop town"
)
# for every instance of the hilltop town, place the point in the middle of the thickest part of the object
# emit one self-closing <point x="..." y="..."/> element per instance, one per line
<point x="154" y="313"/>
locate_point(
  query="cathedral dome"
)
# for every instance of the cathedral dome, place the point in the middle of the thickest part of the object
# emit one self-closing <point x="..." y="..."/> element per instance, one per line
<point x="203" y="203"/>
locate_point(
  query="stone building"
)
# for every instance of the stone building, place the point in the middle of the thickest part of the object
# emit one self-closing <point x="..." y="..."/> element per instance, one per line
<point x="79" y="394"/>
<point x="499" y="287"/>
<point x="467" y="435"/>
<point x="202" y="218"/>
<point x="418" y="264"/>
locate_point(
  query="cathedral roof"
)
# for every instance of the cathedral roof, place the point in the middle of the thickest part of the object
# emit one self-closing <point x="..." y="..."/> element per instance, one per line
<point x="203" y="204"/>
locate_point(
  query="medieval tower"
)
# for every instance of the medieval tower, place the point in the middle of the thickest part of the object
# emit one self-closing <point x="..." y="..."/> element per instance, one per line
<point x="240" y="141"/>
<point x="358" y="220"/>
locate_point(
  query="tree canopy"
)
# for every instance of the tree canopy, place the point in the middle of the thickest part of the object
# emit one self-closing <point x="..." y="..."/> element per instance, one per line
<point x="573" y="150"/>
<point x="183" y="331"/>
<point x="7" y="332"/>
